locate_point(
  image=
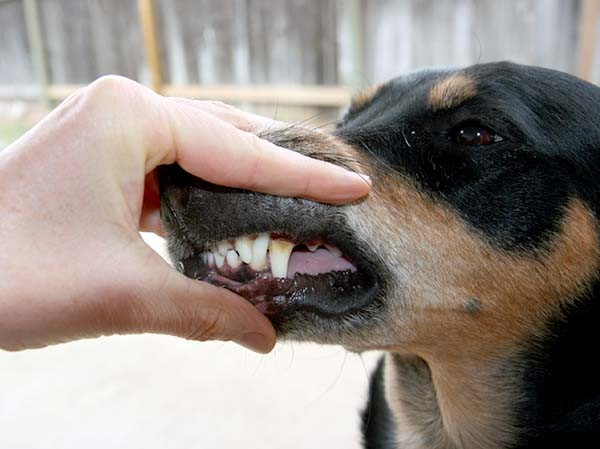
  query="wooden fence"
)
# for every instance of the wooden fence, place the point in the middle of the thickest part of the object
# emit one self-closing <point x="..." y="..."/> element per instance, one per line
<point x="303" y="52"/>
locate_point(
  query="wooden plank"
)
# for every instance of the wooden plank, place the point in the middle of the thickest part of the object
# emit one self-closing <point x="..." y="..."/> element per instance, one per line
<point x="304" y="95"/>
<point x="301" y="95"/>
<point x="28" y="92"/>
<point x="357" y="33"/>
<point x="147" y="13"/>
<point x="16" y="65"/>
<point x="589" y="21"/>
<point x="38" y="52"/>
<point x="62" y="91"/>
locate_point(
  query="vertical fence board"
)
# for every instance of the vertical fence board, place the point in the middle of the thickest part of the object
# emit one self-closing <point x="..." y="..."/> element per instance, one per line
<point x="290" y="41"/>
<point x="151" y="39"/>
<point x="15" y="65"/>
<point x="87" y="39"/>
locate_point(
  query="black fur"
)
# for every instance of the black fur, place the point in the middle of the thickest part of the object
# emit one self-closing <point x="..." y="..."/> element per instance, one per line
<point x="379" y="430"/>
<point x="561" y="404"/>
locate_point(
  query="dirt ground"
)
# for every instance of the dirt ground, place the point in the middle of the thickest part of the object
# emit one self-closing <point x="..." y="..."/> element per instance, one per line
<point x="153" y="391"/>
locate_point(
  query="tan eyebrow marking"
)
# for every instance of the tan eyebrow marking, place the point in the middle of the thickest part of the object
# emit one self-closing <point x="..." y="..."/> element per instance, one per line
<point x="451" y="92"/>
<point x="363" y="97"/>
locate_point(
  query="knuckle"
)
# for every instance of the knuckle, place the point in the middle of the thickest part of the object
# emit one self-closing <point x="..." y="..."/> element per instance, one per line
<point x="110" y="92"/>
<point x="253" y="161"/>
<point x="111" y="84"/>
<point x="207" y="325"/>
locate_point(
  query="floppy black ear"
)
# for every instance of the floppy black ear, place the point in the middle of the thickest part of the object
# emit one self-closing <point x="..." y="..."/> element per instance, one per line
<point x="378" y="423"/>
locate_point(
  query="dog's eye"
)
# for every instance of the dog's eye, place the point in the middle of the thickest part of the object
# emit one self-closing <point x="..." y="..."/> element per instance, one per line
<point x="474" y="135"/>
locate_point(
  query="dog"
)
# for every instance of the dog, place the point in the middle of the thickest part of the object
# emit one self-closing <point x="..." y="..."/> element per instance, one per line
<point x="473" y="263"/>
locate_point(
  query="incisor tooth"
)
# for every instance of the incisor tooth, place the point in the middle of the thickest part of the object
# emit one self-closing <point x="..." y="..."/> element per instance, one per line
<point x="219" y="260"/>
<point x="259" y="252"/>
<point x="233" y="260"/>
<point x="279" y="253"/>
<point x="223" y="247"/>
<point x="333" y="250"/>
<point x="243" y="246"/>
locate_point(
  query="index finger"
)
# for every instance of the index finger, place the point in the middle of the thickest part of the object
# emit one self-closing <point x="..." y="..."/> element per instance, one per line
<point x="216" y="151"/>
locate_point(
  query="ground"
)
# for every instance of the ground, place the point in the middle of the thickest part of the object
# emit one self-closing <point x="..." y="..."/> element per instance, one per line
<point x="10" y="131"/>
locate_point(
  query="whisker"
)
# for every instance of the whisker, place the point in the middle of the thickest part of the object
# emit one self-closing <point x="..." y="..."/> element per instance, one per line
<point x="333" y="384"/>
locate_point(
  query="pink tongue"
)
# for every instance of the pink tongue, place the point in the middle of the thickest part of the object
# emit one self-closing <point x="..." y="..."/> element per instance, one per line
<point x="319" y="262"/>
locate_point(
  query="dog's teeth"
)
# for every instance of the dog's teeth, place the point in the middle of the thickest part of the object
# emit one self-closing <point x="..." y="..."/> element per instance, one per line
<point x="233" y="259"/>
<point x="333" y="250"/>
<point x="243" y="246"/>
<point x="223" y="247"/>
<point x="259" y="252"/>
<point x="219" y="259"/>
<point x="312" y="248"/>
<point x="279" y="253"/>
<point x="210" y="259"/>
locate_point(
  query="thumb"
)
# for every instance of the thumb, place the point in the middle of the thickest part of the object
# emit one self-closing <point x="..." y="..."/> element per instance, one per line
<point x="173" y="304"/>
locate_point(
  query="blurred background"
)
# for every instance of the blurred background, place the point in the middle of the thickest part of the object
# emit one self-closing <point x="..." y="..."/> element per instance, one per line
<point x="289" y="59"/>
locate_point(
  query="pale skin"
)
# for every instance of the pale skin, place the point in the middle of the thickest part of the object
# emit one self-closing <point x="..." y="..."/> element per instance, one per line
<point x="76" y="190"/>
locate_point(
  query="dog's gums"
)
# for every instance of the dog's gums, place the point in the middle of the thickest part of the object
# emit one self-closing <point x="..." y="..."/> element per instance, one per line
<point x="274" y="272"/>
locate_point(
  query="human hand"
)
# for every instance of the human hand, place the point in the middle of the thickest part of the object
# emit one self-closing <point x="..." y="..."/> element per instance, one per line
<point x="76" y="190"/>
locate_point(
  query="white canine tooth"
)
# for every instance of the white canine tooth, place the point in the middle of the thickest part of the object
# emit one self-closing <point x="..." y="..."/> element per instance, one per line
<point x="279" y="253"/>
<point x="210" y="259"/>
<point x="259" y="252"/>
<point x="312" y="248"/>
<point x="223" y="247"/>
<point x="219" y="260"/>
<point x="243" y="246"/>
<point x="332" y="249"/>
<point x="233" y="259"/>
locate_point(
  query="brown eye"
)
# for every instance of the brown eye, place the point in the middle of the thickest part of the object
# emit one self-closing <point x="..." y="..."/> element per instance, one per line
<point x="474" y="135"/>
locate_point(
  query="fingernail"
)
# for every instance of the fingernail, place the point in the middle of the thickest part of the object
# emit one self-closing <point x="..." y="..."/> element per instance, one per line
<point x="256" y="342"/>
<point x="365" y="178"/>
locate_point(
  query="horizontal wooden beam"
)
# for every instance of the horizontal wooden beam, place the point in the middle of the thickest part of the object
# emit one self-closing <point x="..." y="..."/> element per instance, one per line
<point x="20" y="91"/>
<point x="62" y="91"/>
<point x="298" y="95"/>
<point x="290" y="95"/>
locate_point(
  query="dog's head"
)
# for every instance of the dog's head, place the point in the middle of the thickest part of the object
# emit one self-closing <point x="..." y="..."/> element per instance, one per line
<point x="481" y="225"/>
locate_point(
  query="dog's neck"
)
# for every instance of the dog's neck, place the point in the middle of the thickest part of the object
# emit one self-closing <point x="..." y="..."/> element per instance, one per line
<point x="539" y="395"/>
<point x="449" y="404"/>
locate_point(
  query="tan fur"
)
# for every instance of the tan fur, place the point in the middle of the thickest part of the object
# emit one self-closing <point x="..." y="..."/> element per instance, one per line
<point x="451" y="92"/>
<point x="441" y="263"/>
<point x="365" y="96"/>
